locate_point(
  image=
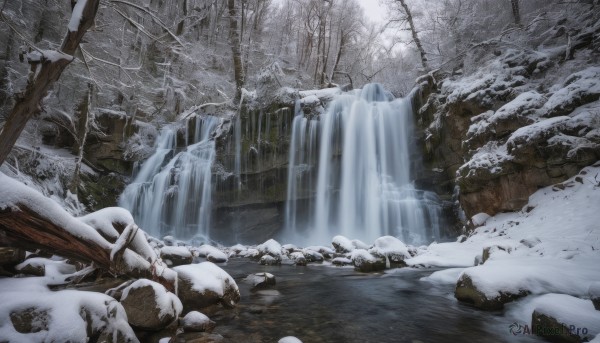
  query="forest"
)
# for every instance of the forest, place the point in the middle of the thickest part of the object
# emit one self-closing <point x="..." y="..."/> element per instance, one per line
<point x="299" y="171"/>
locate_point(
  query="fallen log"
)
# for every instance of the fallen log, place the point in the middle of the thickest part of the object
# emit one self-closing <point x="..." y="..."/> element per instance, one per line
<point x="30" y="220"/>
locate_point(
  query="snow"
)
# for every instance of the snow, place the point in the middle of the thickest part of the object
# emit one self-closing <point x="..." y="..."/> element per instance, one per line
<point x="64" y="308"/>
<point x="566" y="309"/>
<point x="479" y="219"/>
<point x="177" y="251"/>
<point x="206" y="276"/>
<point x="360" y="255"/>
<point x="53" y="270"/>
<point x="103" y="220"/>
<point x="488" y="159"/>
<point x="76" y="15"/>
<point x="271" y="247"/>
<point x="289" y="339"/>
<point x="585" y="83"/>
<point x="206" y="250"/>
<point x="344" y="243"/>
<point x="388" y="245"/>
<point x="165" y="300"/>
<point x="594" y="290"/>
<point x="445" y="276"/>
<point x="563" y="256"/>
<point x="47" y="55"/>
<point x="536" y="131"/>
<point x="195" y="319"/>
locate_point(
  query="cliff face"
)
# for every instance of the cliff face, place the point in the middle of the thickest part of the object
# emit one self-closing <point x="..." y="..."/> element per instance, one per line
<point x="523" y="120"/>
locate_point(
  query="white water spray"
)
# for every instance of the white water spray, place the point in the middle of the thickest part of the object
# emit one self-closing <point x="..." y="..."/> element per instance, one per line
<point x="363" y="184"/>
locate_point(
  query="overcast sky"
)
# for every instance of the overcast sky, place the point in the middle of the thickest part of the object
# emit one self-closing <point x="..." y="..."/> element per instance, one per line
<point x="374" y="10"/>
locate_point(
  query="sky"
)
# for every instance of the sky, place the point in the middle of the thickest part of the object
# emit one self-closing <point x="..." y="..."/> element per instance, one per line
<point x="374" y="10"/>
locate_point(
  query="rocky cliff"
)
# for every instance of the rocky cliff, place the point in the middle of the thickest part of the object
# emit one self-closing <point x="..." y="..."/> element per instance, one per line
<point x="521" y="120"/>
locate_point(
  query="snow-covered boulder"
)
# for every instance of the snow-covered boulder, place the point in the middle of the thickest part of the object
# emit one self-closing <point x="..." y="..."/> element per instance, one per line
<point x="196" y="321"/>
<point x="176" y="256"/>
<point x="212" y="254"/>
<point x="393" y="249"/>
<point x="149" y="306"/>
<point x="38" y="315"/>
<point x="204" y="284"/>
<point x="323" y="250"/>
<point x="341" y="261"/>
<point x="342" y="244"/>
<point x="268" y="260"/>
<point x="312" y="256"/>
<point x="578" y="89"/>
<point x="365" y="262"/>
<point x="298" y="258"/>
<point x="261" y="280"/>
<point x="270" y="247"/>
<point x="564" y="318"/>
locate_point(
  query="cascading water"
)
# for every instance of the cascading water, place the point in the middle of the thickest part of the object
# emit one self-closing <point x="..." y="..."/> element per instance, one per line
<point x="363" y="187"/>
<point x="171" y="193"/>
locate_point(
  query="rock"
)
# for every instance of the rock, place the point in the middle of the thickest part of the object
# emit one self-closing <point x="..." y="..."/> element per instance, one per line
<point x="594" y="293"/>
<point x="205" y="284"/>
<point x="530" y="242"/>
<point x="365" y="262"/>
<point x="176" y="256"/>
<point x="289" y="339"/>
<point x="312" y="256"/>
<point x="342" y="244"/>
<point x="68" y="316"/>
<point x="467" y="292"/>
<point x="30" y="320"/>
<point x="261" y="280"/>
<point x="117" y="292"/>
<point x="298" y="258"/>
<point x="149" y="306"/>
<point x="212" y="254"/>
<point x="488" y="251"/>
<point x="341" y="261"/>
<point x="268" y="260"/>
<point x="270" y="247"/>
<point x="391" y="248"/>
<point x="169" y="241"/>
<point x="195" y="321"/>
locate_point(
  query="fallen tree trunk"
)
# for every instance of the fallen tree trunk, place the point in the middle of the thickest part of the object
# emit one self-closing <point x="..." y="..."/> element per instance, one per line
<point x="30" y="220"/>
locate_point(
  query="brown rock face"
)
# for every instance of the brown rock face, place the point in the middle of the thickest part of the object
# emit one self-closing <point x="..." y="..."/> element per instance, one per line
<point x="143" y="312"/>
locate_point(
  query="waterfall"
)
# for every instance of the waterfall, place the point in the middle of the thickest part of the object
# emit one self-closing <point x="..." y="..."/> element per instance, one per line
<point x="171" y="193"/>
<point x="353" y="169"/>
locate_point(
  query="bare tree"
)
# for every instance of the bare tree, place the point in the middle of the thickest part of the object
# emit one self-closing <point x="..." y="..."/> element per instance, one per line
<point x="45" y="69"/>
<point x="414" y="33"/>
<point x="234" y="42"/>
<point x="515" y="10"/>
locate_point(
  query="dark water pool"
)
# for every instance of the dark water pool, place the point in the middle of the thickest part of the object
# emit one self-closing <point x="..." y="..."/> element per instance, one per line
<point x="327" y="304"/>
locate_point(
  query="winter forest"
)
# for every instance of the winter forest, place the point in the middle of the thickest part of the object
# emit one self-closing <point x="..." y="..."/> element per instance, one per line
<point x="299" y="171"/>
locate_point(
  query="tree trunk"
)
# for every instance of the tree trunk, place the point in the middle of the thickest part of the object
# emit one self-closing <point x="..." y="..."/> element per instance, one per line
<point x="22" y="226"/>
<point x="415" y="36"/>
<point x="515" y="10"/>
<point x="86" y="117"/>
<point x="234" y="41"/>
<point x="45" y="71"/>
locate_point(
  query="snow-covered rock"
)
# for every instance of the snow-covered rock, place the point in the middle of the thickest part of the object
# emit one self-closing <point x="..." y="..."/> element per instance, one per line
<point x="196" y="321"/>
<point x="149" y="305"/>
<point x="312" y="255"/>
<point x="212" y="254"/>
<point x="270" y="247"/>
<point x="268" y="260"/>
<point x="341" y="261"/>
<point x="342" y="244"/>
<point x="365" y="262"/>
<point x="261" y="280"/>
<point x="32" y="313"/>
<point x="298" y="258"/>
<point x="393" y="249"/>
<point x="204" y="284"/>
<point x="176" y="256"/>
<point x="38" y="266"/>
